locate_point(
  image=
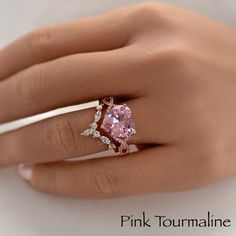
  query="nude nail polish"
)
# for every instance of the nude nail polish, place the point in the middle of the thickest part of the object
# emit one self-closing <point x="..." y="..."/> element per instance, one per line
<point x="25" y="171"/>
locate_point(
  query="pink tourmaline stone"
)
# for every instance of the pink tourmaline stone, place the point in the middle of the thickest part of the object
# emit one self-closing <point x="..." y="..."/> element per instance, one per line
<point x="117" y="122"/>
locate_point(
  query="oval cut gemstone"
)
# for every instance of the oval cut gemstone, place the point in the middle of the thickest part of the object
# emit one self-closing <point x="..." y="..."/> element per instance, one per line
<point x="118" y="123"/>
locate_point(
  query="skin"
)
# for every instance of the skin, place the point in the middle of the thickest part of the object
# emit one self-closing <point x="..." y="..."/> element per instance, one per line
<point x="176" y="71"/>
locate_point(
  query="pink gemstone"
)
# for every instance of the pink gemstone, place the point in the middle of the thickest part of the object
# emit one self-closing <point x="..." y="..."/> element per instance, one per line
<point x="117" y="122"/>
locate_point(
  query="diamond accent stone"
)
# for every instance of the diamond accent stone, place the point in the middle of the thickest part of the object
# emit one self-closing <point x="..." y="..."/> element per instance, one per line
<point x="99" y="107"/>
<point x="96" y="134"/>
<point x="112" y="146"/>
<point x="105" y="140"/>
<point x="118" y="123"/>
<point x="87" y="132"/>
<point x="98" y="116"/>
<point x="94" y="126"/>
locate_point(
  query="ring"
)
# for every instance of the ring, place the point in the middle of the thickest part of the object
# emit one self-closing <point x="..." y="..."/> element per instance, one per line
<point x="112" y="125"/>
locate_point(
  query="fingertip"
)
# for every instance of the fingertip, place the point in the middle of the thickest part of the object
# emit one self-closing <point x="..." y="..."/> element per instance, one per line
<point x="25" y="171"/>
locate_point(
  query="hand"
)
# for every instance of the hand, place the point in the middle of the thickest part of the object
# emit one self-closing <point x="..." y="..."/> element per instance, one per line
<point x="176" y="71"/>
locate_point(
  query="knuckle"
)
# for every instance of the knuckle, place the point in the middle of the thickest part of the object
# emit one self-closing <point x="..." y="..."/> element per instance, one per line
<point x="31" y="87"/>
<point x="107" y="183"/>
<point x="40" y="43"/>
<point x="182" y="61"/>
<point x="45" y="177"/>
<point x="176" y="57"/>
<point x="146" y="8"/>
<point x="149" y="14"/>
<point x="60" y="137"/>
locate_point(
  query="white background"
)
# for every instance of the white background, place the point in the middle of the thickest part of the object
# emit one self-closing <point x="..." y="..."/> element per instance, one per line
<point x="26" y="212"/>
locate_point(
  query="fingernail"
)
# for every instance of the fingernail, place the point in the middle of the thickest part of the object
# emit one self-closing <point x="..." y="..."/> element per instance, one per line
<point x="25" y="171"/>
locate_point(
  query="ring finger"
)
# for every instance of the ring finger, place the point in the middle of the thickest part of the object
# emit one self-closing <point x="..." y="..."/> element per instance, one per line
<point x="59" y="138"/>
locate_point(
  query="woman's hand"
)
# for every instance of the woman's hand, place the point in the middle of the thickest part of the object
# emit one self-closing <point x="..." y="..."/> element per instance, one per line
<point x="176" y="71"/>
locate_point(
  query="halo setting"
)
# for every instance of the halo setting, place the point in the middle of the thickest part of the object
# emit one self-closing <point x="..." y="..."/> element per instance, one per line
<point x="113" y="126"/>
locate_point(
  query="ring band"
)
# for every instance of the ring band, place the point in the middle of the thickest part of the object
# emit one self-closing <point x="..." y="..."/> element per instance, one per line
<point x="112" y="125"/>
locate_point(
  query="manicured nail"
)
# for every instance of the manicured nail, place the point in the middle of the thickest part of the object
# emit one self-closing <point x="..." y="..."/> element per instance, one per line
<point x="25" y="171"/>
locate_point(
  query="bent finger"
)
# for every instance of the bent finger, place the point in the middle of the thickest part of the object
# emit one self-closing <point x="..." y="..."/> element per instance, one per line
<point x="99" y="33"/>
<point x="152" y="170"/>
<point x="59" y="138"/>
<point x="67" y="81"/>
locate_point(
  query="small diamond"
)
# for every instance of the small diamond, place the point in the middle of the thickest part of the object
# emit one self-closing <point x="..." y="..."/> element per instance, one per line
<point x="93" y="126"/>
<point x="105" y="140"/>
<point x="96" y="134"/>
<point x="98" y="116"/>
<point x="99" y="107"/>
<point x="87" y="132"/>
<point x="112" y="146"/>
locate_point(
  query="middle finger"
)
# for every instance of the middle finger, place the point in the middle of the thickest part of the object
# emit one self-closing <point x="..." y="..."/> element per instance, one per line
<point x="67" y="81"/>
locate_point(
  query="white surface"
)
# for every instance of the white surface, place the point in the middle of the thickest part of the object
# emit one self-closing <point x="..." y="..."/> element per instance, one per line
<point x="26" y="212"/>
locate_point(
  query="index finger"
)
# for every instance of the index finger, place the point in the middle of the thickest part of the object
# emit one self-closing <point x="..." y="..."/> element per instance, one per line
<point x="98" y="33"/>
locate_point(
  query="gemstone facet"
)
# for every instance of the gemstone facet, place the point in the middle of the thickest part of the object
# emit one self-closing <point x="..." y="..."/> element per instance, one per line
<point x="118" y="123"/>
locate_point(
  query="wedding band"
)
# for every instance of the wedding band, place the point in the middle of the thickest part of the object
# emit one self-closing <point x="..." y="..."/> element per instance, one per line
<point x="112" y="125"/>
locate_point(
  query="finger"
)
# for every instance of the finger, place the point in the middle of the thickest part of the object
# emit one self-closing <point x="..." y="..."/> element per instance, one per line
<point x="60" y="138"/>
<point x="99" y="33"/>
<point x="152" y="170"/>
<point x="67" y="81"/>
